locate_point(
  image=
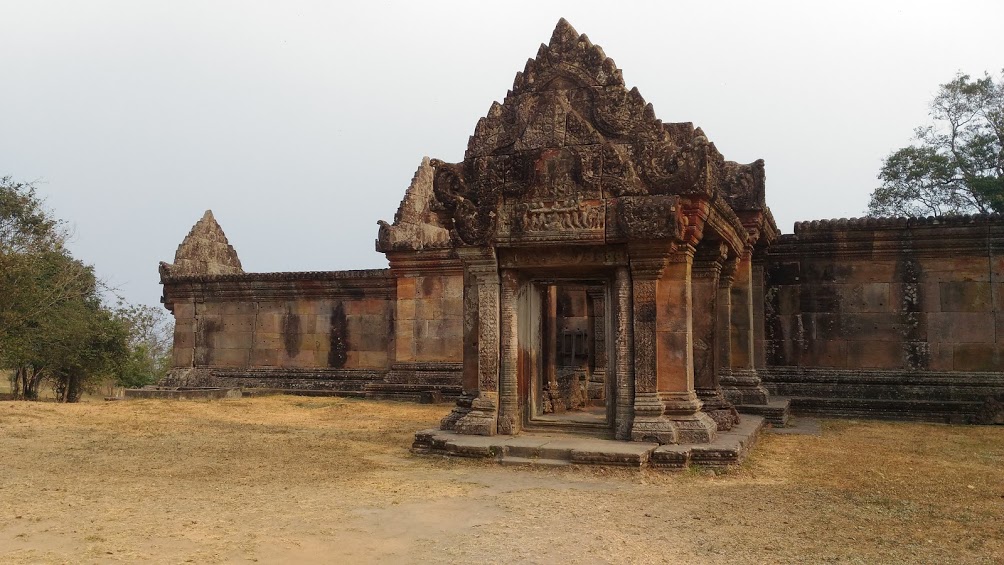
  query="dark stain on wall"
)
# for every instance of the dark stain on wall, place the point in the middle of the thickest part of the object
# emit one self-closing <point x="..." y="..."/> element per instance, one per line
<point x="205" y="338"/>
<point x="291" y="335"/>
<point x="339" y="338"/>
<point x="916" y="349"/>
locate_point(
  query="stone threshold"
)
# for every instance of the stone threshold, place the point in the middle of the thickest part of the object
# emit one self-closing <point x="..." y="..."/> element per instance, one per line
<point x="556" y="449"/>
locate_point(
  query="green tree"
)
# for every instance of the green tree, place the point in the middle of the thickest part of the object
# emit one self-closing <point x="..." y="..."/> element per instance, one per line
<point x="53" y="326"/>
<point x="151" y="336"/>
<point x="957" y="164"/>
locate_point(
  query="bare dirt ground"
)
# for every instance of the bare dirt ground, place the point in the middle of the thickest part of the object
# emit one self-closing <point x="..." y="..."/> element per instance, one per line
<point x="301" y="480"/>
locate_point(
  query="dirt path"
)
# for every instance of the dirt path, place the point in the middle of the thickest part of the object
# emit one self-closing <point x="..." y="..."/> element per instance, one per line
<point x="303" y="480"/>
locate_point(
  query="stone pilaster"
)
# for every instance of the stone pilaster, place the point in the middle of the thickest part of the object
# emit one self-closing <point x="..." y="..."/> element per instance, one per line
<point x="704" y="281"/>
<point x="623" y="327"/>
<point x="742" y="385"/>
<point x="509" y="418"/>
<point x="666" y="407"/>
<point x="476" y="412"/>
<point x="597" y="298"/>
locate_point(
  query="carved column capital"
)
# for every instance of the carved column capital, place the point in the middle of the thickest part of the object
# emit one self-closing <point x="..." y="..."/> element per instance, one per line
<point x="728" y="272"/>
<point x="648" y="260"/>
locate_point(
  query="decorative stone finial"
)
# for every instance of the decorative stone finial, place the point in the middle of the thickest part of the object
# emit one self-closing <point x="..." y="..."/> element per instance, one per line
<point x="204" y="251"/>
<point x="416" y="226"/>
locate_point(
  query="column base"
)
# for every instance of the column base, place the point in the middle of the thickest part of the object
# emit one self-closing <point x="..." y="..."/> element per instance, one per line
<point x="671" y="418"/>
<point x="482" y="419"/>
<point x="743" y="386"/>
<point x="722" y="411"/>
<point x="459" y="411"/>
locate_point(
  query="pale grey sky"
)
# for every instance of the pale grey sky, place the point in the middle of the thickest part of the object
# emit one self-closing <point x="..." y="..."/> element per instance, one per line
<point x="300" y="124"/>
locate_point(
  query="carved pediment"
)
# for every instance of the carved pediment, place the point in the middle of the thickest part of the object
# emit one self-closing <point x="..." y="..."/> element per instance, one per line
<point x="547" y="162"/>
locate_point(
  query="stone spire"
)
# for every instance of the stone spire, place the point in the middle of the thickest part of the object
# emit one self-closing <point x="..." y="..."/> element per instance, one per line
<point x="204" y="251"/>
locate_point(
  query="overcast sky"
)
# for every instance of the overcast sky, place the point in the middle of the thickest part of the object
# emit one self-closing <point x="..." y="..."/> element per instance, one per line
<point x="300" y="124"/>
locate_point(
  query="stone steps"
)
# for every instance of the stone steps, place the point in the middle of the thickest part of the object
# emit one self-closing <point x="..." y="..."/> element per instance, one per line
<point x="776" y="412"/>
<point x="929" y="396"/>
<point x="729" y="448"/>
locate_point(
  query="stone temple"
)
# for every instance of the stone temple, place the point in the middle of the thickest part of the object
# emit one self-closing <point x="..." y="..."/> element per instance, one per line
<point x="588" y="267"/>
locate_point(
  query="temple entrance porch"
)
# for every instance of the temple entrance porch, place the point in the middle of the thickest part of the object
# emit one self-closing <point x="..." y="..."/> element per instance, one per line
<point x="563" y="351"/>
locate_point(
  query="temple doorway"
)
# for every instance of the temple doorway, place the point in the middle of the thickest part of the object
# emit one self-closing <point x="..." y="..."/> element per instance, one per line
<point x="564" y="346"/>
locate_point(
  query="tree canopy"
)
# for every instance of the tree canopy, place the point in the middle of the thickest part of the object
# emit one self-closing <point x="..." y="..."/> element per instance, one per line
<point x="54" y="327"/>
<point x="957" y="165"/>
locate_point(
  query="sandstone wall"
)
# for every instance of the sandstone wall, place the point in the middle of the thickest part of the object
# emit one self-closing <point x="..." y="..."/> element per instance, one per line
<point x="888" y="318"/>
<point x="887" y="294"/>
<point x="334" y="320"/>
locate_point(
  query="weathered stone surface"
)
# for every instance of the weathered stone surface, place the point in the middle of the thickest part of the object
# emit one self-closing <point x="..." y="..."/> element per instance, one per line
<point x="204" y="251"/>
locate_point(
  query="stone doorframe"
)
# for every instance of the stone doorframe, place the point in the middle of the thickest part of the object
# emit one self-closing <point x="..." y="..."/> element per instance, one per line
<point x="531" y="371"/>
<point x="650" y="305"/>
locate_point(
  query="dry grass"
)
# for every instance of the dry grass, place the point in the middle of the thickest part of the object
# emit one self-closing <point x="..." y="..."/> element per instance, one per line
<point x="292" y="479"/>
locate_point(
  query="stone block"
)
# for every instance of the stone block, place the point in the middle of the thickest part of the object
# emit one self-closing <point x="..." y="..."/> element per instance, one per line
<point x="954" y="269"/>
<point x="404" y="342"/>
<point x="783" y="273"/>
<point x="184" y="310"/>
<point x="978" y="357"/>
<point x="406" y="309"/>
<point x="263" y="340"/>
<point x="453" y="286"/>
<point x="226" y="357"/>
<point x="230" y="309"/>
<point x="264" y="357"/>
<point x="366" y="307"/>
<point x="996" y="267"/>
<point x="429" y="287"/>
<point x="269" y="321"/>
<point x="822" y="326"/>
<point x="867" y="297"/>
<point x="432" y="349"/>
<point x="233" y="340"/>
<point x="879" y="327"/>
<point x="184" y="337"/>
<point x="373" y="360"/>
<point x="428" y="309"/>
<point x="789" y="300"/>
<point x="453" y="308"/>
<point x="818" y="298"/>
<point x="875" y="355"/>
<point x="238" y="323"/>
<point x="824" y="353"/>
<point x="673" y="361"/>
<point x="865" y="271"/>
<point x="964" y="296"/>
<point x="672" y="302"/>
<point x="942" y="358"/>
<point x="453" y="350"/>
<point x="183" y="357"/>
<point x="961" y="327"/>
<point x="915" y="297"/>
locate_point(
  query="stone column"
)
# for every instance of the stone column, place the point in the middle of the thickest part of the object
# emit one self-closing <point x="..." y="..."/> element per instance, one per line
<point x="666" y="407"/>
<point x="477" y="413"/>
<point x="704" y="276"/>
<point x="597" y="297"/>
<point x="723" y="320"/>
<point x="759" y="333"/>
<point x="743" y="385"/>
<point x="509" y="418"/>
<point x="623" y="366"/>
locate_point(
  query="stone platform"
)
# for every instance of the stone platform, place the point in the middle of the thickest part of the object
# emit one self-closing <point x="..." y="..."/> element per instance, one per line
<point x="554" y="449"/>
<point x="776" y="411"/>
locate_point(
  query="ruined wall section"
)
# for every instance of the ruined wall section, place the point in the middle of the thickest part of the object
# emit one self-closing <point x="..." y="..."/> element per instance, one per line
<point x="268" y="328"/>
<point x="895" y="312"/>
